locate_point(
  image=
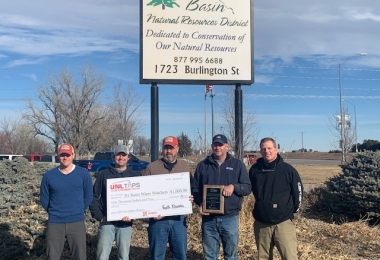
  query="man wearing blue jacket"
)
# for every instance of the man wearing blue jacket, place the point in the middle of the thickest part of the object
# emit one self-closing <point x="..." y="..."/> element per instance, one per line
<point x="278" y="189"/>
<point x="65" y="193"/>
<point x="220" y="168"/>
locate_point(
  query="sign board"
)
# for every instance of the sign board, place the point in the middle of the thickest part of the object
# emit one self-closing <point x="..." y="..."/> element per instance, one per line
<point x="148" y="196"/>
<point x="196" y="42"/>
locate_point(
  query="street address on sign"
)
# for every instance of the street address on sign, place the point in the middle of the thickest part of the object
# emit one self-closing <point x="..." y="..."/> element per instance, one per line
<point x="196" y="41"/>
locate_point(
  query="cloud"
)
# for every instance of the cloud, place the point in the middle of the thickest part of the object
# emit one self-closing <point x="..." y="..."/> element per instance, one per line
<point x="36" y="43"/>
<point x="365" y="15"/>
<point x="21" y="62"/>
<point x="280" y="30"/>
<point x="19" y="21"/>
<point x="320" y="27"/>
<point x="86" y="27"/>
<point x="263" y="79"/>
<point x="32" y="76"/>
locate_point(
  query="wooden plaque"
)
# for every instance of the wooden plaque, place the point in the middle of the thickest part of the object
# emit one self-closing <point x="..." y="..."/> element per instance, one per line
<point x="213" y="199"/>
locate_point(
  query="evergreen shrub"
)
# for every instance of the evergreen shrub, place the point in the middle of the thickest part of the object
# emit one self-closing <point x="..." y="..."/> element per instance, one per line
<point x="22" y="218"/>
<point x="355" y="193"/>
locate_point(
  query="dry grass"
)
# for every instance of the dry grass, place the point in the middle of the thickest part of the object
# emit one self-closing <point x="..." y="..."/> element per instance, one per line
<point x="317" y="239"/>
<point x="314" y="175"/>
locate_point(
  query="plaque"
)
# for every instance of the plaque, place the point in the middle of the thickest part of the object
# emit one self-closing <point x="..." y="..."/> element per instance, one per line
<point x="213" y="199"/>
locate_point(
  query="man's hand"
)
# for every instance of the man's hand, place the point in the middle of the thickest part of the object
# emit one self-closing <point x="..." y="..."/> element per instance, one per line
<point x="191" y="198"/>
<point x="228" y="190"/>
<point x="104" y="219"/>
<point x="126" y="219"/>
<point x="201" y="211"/>
<point x="158" y="217"/>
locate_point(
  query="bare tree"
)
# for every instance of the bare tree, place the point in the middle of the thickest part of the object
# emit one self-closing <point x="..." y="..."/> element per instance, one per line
<point x="7" y="127"/>
<point x="63" y="113"/>
<point x="348" y="133"/>
<point x="124" y="109"/>
<point x="26" y="142"/>
<point x="227" y="114"/>
<point x="97" y="138"/>
<point x="17" y="137"/>
<point x="141" y="145"/>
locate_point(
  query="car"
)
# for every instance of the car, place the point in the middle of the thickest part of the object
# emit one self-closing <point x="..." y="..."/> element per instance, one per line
<point x="33" y="157"/>
<point x="251" y="158"/>
<point x="9" y="156"/>
<point x="103" y="159"/>
<point x="136" y="164"/>
<point x="50" y="158"/>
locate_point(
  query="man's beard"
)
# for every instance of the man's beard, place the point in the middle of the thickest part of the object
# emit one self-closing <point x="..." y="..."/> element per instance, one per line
<point x="166" y="159"/>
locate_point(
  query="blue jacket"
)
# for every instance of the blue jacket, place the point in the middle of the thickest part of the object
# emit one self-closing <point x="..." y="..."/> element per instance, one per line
<point x="231" y="171"/>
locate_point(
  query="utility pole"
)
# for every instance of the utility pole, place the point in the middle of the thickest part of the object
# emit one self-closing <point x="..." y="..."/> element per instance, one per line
<point x="212" y="95"/>
<point x="302" y="140"/>
<point x="205" y="141"/>
<point x="355" y="129"/>
<point x="342" y="116"/>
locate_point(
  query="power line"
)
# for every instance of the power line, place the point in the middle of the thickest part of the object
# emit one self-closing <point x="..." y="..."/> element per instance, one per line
<point x="311" y="87"/>
<point x="322" y="68"/>
<point x="319" y="78"/>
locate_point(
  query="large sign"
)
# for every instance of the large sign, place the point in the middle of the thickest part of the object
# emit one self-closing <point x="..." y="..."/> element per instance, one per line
<point x="196" y="41"/>
<point x="148" y="196"/>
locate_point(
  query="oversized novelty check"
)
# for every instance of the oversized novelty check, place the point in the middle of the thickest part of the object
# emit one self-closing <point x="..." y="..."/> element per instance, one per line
<point x="148" y="196"/>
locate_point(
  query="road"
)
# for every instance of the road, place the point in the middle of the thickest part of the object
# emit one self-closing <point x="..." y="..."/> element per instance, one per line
<point x="313" y="161"/>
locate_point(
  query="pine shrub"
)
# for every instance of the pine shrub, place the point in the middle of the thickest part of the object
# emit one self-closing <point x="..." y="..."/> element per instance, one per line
<point x="22" y="219"/>
<point x="354" y="194"/>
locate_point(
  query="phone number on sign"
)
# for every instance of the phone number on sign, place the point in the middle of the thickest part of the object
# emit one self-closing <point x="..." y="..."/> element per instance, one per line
<point x="198" y="60"/>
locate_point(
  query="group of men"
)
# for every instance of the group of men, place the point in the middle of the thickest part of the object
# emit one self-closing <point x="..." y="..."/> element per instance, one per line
<point x="67" y="191"/>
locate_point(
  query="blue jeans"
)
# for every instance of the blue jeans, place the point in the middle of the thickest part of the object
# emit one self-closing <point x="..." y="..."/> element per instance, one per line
<point x="172" y="229"/>
<point x="106" y="235"/>
<point x="216" y="229"/>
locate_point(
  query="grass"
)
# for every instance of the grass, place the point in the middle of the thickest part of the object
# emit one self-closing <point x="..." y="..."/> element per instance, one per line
<point x="313" y="175"/>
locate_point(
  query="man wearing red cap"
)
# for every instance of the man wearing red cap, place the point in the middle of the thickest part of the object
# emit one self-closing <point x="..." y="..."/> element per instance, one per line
<point x="171" y="228"/>
<point x="65" y="193"/>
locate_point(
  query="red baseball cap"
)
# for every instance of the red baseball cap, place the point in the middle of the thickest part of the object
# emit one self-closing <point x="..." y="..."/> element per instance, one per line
<point x="65" y="148"/>
<point x="170" y="140"/>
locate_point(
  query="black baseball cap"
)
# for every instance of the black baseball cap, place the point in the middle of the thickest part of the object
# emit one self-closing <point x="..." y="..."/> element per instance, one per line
<point x="220" y="139"/>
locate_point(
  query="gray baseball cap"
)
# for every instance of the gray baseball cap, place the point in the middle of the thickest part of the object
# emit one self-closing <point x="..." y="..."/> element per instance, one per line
<point x="121" y="148"/>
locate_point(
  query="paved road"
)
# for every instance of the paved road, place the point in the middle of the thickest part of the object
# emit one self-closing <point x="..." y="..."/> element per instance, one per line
<point x="311" y="161"/>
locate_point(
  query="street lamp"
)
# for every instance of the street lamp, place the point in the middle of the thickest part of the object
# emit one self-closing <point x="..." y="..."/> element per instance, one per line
<point x="342" y="126"/>
<point x="355" y="129"/>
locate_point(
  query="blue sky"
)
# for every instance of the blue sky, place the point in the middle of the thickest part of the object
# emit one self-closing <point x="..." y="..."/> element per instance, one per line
<point x="297" y="49"/>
